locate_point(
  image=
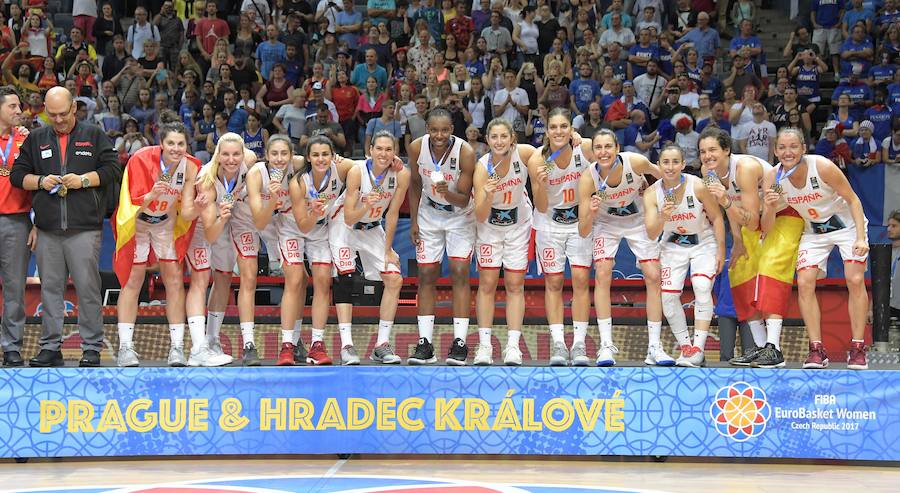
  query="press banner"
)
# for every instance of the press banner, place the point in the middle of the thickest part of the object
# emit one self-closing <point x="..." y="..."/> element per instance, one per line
<point x="438" y="410"/>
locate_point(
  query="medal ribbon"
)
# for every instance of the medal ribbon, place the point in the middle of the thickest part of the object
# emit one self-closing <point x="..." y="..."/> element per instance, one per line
<point x="781" y="175"/>
<point x="671" y="191"/>
<point x="229" y="186"/>
<point x="556" y="154"/>
<point x="162" y="165"/>
<point x="615" y="165"/>
<point x="314" y="191"/>
<point x="439" y="164"/>
<point x="375" y="181"/>
<point x="5" y="155"/>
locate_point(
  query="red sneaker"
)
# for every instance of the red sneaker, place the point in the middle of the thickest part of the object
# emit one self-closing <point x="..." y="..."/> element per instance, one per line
<point x="286" y="355"/>
<point x="857" y="357"/>
<point x="317" y="355"/>
<point x="817" y="358"/>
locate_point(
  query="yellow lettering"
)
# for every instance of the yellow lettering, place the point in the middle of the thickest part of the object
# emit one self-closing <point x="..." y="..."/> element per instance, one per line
<point x="476" y="411"/>
<point x="112" y="418"/>
<point x="554" y="424"/>
<point x="165" y="411"/>
<point x="387" y="413"/>
<point x="528" y="422"/>
<point x="199" y="415"/>
<point x="615" y="417"/>
<point x="403" y="414"/>
<point x="507" y="418"/>
<point x="268" y="413"/>
<point x="355" y="420"/>
<point x="231" y="419"/>
<point x="52" y="413"/>
<point x="588" y="417"/>
<point x="445" y="414"/>
<point x="301" y="414"/>
<point x="331" y="416"/>
<point x="80" y="415"/>
<point x="136" y="423"/>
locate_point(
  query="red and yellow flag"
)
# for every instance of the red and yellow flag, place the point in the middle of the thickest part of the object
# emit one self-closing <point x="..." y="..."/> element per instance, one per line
<point x="141" y="173"/>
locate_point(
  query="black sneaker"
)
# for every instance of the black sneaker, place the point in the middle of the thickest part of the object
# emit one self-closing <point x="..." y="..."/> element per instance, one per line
<point x="251" y="356"/>
<point x="300" y="353"/>
<point x="747" y="358"/>
<point x="13" y="359"/>
<point x="458" y="354"/>
<point x="89" y="359"/>
<point x="769" y="357"/>
<point x="46" y="359"/>
<point x="424" y="353"/>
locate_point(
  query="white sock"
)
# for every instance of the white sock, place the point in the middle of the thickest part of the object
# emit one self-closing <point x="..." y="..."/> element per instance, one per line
<point x="654" y="330"/>
<point x="346" y="334"/>
<point x="197" y="328"/>
<point x="580" y="329"/>
<point x="286" y="336"/>
<point x="605" y="327"/>
<point x="213" y="323"/>
<point x="318" y="335"/>
<point x="384" y="332"/>
<point x="758" y="329"/>
<point x="176" y="334"/>
<point x="513" y="338"/>
<point x="484" y="336"/>
<point x="460" y="328"/>
<point x="773" y="332"/>
<point x="700" y="338"/>
<point x="126" y="331"/>
<point x="247" y="332"/>
<point x="298" y="326"/>
<point x="556" y="332"/>
<point x="426" y="326"/>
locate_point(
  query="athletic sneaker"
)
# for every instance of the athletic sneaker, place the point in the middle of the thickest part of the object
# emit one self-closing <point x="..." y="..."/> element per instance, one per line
<point x="769" y="357"/>
<point x="578" y="354"/>
<point x="127" y="356"/>
<point x="691" y="357"/>
<point x="856" y="358"/>
<point x="817" y="357"/>
<point x="458" y="354"/>
<point x="605" y="355"/>
<point x="250" y="356"/>
<point x="317" y="354"/>
<point x="385" y="354"/>
<point x="512" y="356"/>
<point x="176" y="357"/>
<point x="300" y="353"/>
<point x="286" y="355"/>
<point x="484" y="355"/>
<point x="656" y="355"/>
<point x="424" y="353"/>
<point x="349" y="356"/>
<point x="747" y="358"/>
<point x="559" y="354"/>
<point x="215" y="348"/>
<point x="207" y="358"/>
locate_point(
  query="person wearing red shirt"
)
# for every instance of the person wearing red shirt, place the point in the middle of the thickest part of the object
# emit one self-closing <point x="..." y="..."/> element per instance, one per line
<point x="461" y="26"/>
<point x="16" y="232"/>
<point x="209" y="30"/>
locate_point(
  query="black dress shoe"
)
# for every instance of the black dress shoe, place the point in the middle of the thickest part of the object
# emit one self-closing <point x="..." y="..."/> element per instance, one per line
<point x="89" y="359"/>
<point x="47" y="358"/>
<point x="13" y="358"/>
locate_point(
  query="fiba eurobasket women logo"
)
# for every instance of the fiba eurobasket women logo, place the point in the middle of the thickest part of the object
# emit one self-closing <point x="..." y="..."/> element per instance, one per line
<point x="740" y="411"/>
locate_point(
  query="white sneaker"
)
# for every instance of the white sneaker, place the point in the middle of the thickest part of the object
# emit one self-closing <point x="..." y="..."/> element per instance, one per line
<point x="559" y="354"/>
<point x="484" y="355"/>
<point x="127" y="357"/>
<point x="578" y="354"/>
<point x="605" y="355"/>
<point x="216" y="348"/>
<point x="512" y="356"/>
<point x="207" y="358"/>
<point x="176" y="356"/>
<point x="657" y="356"/>
<point x="691" y="357"/>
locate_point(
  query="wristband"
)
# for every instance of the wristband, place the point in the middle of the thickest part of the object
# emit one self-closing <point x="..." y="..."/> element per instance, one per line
<point x="730" y="203"/>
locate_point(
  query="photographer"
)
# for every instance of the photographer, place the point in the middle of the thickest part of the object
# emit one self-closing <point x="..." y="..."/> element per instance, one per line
<point x="67" y="54"/>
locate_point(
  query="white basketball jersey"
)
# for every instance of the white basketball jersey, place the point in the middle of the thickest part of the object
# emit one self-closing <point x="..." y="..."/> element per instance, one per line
<point x="284" y="197"/>
<point x="166" y="201"/>
<point x="623" y="201"/>
<point x="450" y="169"/>
<point x="689" y="217"/>
<point x="240" y="210"/>
<point x="734" y="192"/>
<point x="822" y="209"/>
<point x="388" y="185"/>
<point x="562" y="196"/>
<point x="510" y="191"/>
<point x="330" y="189"/>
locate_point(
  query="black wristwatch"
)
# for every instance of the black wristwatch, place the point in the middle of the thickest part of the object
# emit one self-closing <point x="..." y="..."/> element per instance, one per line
<point x="41" y="182"/>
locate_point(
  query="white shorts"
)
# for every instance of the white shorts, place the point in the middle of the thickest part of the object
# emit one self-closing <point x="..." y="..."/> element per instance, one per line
<point x="503" y="246"/>
<point x="608" y="235"/>
<point x="815" y="248"/>
<point x="346" y="242"/>
<point x="829" y="40"/>
<point x="160" y="237"/>
<point x="222" y="254"/>
<point x="290" y="241"/>
<point x="444" y="231"/>
<point x="553" y="248"/>
<point x="675" y="260"/>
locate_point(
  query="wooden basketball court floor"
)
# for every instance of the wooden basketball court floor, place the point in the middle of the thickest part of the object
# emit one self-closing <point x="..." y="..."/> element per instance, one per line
<point x="676" y="475"/>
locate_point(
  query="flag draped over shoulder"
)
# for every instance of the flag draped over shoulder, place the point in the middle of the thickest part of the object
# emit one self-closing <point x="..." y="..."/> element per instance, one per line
<point x="141" y="173"/>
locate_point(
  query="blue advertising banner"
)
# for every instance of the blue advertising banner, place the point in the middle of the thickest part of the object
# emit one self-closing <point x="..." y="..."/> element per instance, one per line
<point x="437" y="410"/>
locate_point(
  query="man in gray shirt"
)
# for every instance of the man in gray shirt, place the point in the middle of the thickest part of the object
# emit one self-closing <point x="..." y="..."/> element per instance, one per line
<point x="893" y="229"/>
<point x="322" y="125"/>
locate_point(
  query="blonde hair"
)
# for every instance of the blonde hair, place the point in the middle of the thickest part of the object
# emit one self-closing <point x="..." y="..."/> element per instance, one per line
<point x="208" y="177"/>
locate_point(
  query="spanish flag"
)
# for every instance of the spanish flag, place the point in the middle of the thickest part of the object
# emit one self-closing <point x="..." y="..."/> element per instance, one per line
<point x="141" y="173"/>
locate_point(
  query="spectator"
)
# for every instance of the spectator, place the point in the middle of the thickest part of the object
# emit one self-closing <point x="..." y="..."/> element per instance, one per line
<point x="84" y="15"/>
<point x="345" y="97"/>
<point x="370" y="68"/>
<point x="38" y="37"/>
<point x="498" y="38"/>
<point x="260" y="11"/>
<point x="857" y="52"/>
<point x="237" y="118"/>
<point x="843" y="115"/>
<point x="617" y="33"/>
<point x="220" y="128"/>
<point x="671" y="106"/>
<point x="556" y="55"/>
<point x="883" y="73"/>
<point x="433" y="18"/>
<point x="291" y="118"/>
<point x="68" y="243"/>
<point x="891" y="153"/>
<point x="143" y="112"/>
<point x="859" y="92"/>
<point x="649" y="19"/>
<point x="687" y="139"/>
<point x="67" y="53"/>
<point x="511" y="103"/>
<point x="593" y="122"/>
<point x="275" y="92"/>
<point x="422" y="55"/>
<point x="806" y="69"/>
<point x="141" y="31"/>
<point x="640" y="54"/>
<point x="246" y="37"/>
<point x="548" y="26"/>
<point x="703" y="38"/>
<point x="536" y="128"/>
<point x="799" y="42"/>
<point x="349" y="24"/>
<point x="864" y="150"/>
<point x="415" y="122"/>
<point x="171" y="32"/>
<point x="615" y="60"/>
<point x="322" y="125"/>
<point x="381" y="11"/>
<point x="327" y="11"/>
<point x="743" y="74"/>
<point x="386" y="122"/>
<point x="709" y="84"/>
<point x="744" y="10"/>
<point x="789" y="103"/>
<point x="682" y="18"/>
<point x="616" y="7"/>
<point x="115" y="59"/>
<point x="825" y="16"/>
<point x="460" y="81"/>
<point x="151" y="59"/>
<point x="477" y="106"/>
<point x="270" y="53"/>
<point x="857" y="15"/>
<point x="106" y="28"/>
<point x="757" y="137"/>
<point x="461" y="27"/>
<point x="717" y="117"/>
<point x="832" y="146"/>
<point x="208" y="30"/>
<point x="318" y="97"/>
<point x="747" y="41"/>
<point x="880" y="115"/>
<point x="555" y="96"/>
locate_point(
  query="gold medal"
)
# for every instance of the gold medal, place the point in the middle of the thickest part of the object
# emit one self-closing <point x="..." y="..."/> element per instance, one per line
<point x="63" y="190"/>
<point x="670" y="198"/>
<point x="165" y="178"/>
<point x="777" y="188"/>
<point x="4" y="171"/>
<point x="549" y="166"/>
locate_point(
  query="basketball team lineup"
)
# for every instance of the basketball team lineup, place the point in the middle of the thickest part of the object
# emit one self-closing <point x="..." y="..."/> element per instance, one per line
<point x="579" y="197"/>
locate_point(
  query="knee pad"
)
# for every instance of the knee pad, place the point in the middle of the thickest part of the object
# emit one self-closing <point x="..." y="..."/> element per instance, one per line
<point x="671" y="305"/>
<point x="703" y="302"/>
<point x="342" y="289"/>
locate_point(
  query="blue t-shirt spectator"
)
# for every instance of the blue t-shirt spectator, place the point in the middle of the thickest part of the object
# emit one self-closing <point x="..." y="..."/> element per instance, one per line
<point x="705" y="42"/>
<point x="724" y="124"/>
<point x="828" y="12"/>
<point x="476" y="68"/>
<point x="852" y="16"/>
<point x="881" y="116"/>
<point x="882" y="74"/>
<point x="390" y="5"/>
<point x="584" y="92"/>
<point x="713" y="88"/>
<point x="361" y="72"/>
<point x="847" y="64"/>
<point x="651" y="51"/>
<point x="268" y="54"/>
<point x="237" y="121"/>
<point x="739" y="42"/>
<point x="894" y="98"/>
<point x="376" y="124"/>
<point x="858" y="93"/>
<point x="345" y="18"/>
